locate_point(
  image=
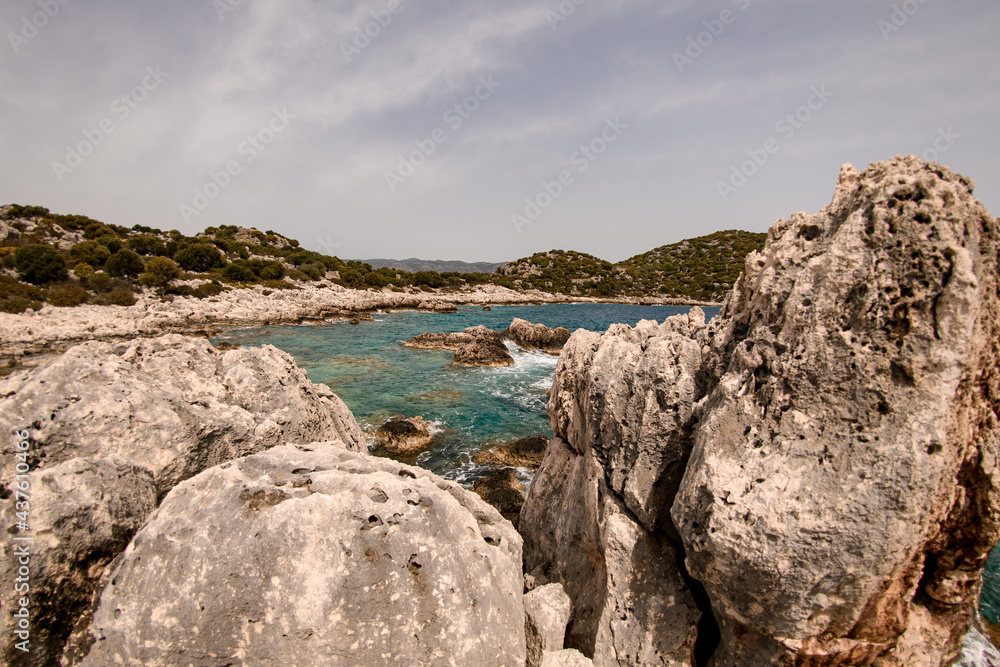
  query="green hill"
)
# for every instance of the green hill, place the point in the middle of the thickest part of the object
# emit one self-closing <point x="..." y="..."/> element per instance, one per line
<point x="701" y="269"/>
<point x="69" y="260"/>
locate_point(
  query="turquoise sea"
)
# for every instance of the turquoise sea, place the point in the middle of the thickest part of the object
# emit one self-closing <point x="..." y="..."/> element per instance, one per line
<point x="367" y="366"/>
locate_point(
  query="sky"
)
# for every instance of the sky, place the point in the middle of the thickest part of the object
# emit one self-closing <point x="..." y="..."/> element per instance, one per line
<point x="484" y="131"/>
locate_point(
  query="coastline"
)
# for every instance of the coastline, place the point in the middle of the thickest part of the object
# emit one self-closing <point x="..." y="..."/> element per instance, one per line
<point x="53" y="329"/>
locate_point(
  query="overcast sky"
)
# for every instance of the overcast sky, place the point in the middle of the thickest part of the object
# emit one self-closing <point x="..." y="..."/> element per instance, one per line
<point x="311" y="116"/>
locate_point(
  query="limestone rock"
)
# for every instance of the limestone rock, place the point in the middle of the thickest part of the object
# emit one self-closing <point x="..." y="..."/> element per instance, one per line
<point x="546" y="613"/>
<point x="82" y="514"/>
<point x="566" y="658"/>
<point x="524" y="453"/>
<point x="537" y="336"/>
<point x="631" y="604"/>
<point x="502" y="490"/>
<point x="314" y="555"/>
<point x="173" y="404"/>
<point x="404" y="437"/>
<point x="476" y="346"/>
<point x="840" y="500"/>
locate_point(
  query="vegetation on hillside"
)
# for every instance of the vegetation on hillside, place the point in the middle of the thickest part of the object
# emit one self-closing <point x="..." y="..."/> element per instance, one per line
<point x="701" y="269"/>
<point x="68" y="260"/>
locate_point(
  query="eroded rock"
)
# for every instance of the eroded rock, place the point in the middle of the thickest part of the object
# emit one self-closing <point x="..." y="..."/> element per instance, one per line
<point x="405" y="437"/>
<point x="537" y="336"/>
<point x="502" y="490"/>
<point x="546" y="612"/>
<point x="314" y="555"/>
<point x="524" y="453"/>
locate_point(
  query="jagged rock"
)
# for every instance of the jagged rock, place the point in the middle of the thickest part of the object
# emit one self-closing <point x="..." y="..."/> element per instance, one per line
<point x="546" y="613"/>
<point x="312" y="555"/>
<point x="476" y="346"/>
<point x="502" y="490"/>
<point x="82" y="514"/>
<point x="537" y="336"/>
<point x="173" y="404"/>
<point x="487" y="308"/>
<point x="566" y="658"/>
<point x="524" y="453"/>
<point x="404" y="437"/>
<point x="831" y="438"/>
<point x="631" y="604"/>
<point x="853" y="420"/>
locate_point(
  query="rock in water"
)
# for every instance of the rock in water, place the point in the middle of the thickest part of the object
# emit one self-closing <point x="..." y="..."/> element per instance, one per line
<point x="404" y="437"/>
<point x="312" y="555"/>
<point x="825" y="450"/>
<point x="537" y="336"/>
<point x="502" y="490"/>
<point x="476" y="346"/>
<point x="524" y="453"/>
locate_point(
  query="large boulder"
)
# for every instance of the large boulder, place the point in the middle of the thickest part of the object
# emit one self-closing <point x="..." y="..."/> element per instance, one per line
<point x="314" y="555"/>
<point x="173" y="404"/>
<point x="546" y="612"/>
<point x="113" y="427"/>
<point x="523" y="453"/>
<point x="817" y="468"/>
<point x="537" y="336"/>
<point x="502" y="490"/>
<point x="81" y="514"/>
<point x="404" y="437"/>
<point x="476" y="346"/>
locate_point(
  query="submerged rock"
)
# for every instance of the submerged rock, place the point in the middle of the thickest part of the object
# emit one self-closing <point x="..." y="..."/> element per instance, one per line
<point x="502" y="490"/>
<point x="524" y="453"/>
<point x="537" y="336"/>
<point x="313" y="555"/>
<point x="404" y="437"/>
<point x="822" y="457"/>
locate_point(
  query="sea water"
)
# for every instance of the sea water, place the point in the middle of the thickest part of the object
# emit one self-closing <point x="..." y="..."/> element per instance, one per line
<point x="472" y="408"/>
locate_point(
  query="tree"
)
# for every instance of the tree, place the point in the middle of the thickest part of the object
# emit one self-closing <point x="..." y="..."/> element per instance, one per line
<point x="159" y="272"/>
<point x="125" y="264"/>
<point x="40" y="264"/>
<point x="90" y="252"/>
<point x="200" y="257"/>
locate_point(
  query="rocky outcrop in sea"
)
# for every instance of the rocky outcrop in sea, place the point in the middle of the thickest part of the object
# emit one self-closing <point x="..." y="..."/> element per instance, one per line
<point x="810" y="478"/>
<point x="480" y="346"/>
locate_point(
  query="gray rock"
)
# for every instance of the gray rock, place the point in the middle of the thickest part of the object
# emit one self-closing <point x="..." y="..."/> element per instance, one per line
<point x="547" y="610"/>
<point x="537" y="336"/>
<point x="839" y="500"/>
<point x="631" y="604"/>
<point x="476" y="346"/>
<point x="314" y="555"/>
<point x="404" y="437"/>
<point x="173" y="404"/>
<point x="82" y="514"/>
<point x="524" y="453"/>
<point x="565" y="658"/>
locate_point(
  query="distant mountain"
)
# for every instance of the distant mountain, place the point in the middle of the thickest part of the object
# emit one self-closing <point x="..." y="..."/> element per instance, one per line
<point x="441" y="266"/>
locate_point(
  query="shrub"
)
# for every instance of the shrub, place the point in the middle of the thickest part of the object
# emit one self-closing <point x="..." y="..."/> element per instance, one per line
<point x="121" y="296"/>
<point x="375" y="279"/>
<point x="429" y="278"/>
<point x="159" y="272"/>
<point x="239" y="272"/>
<point x="207" y="290"/>
<point x="100" y="281"/>
<point x="271" y="270"/>
<point x="90" y="252"/>
<point x="17" y="211"/>
<point x="279" y="284"/>
<point x="95" y="230"/>
<point x="16" y="297"/>
<point x="125" y="264"/>
<point x="83" y="270"/>
<point x="40" y="264"/>
<point x="148" y="245"/>
<point x="200" y="257"/>
<point x="67" y="295"/>
<point x="111" y="242"/>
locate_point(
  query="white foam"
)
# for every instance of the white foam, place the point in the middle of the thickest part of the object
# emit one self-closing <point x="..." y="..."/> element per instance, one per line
<point x="977" y="651"/>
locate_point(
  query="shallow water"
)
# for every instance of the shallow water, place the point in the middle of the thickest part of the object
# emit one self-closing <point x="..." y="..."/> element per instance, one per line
<point x="368" y="367"/>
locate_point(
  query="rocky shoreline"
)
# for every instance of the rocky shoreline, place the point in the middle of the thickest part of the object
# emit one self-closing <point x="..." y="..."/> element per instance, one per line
<point x="57" y="328"/>
<point x="808" y="479"/>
